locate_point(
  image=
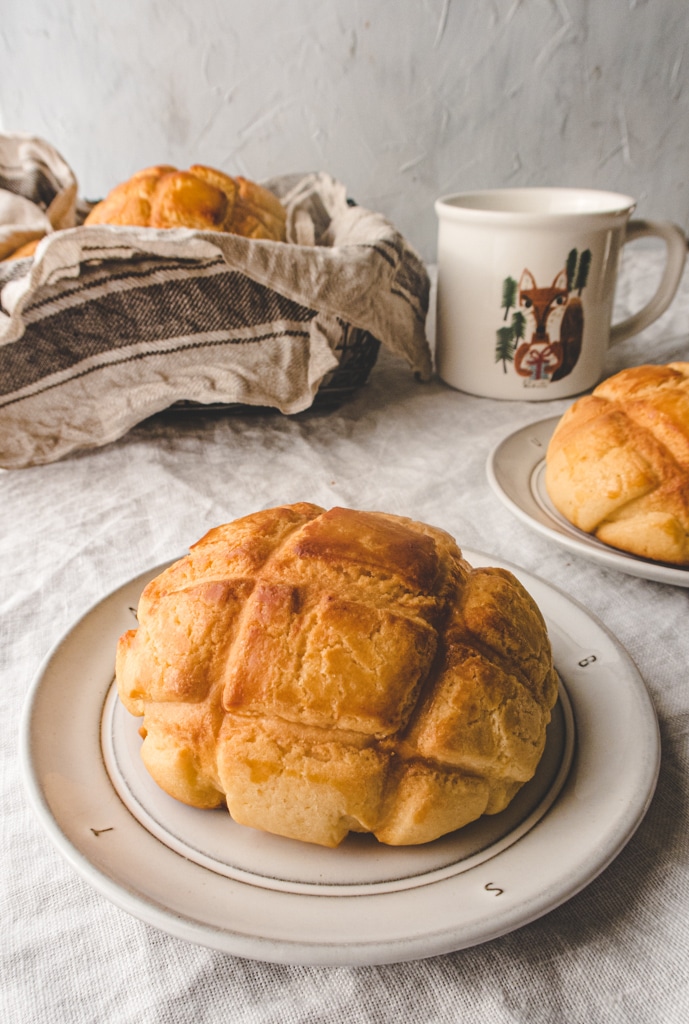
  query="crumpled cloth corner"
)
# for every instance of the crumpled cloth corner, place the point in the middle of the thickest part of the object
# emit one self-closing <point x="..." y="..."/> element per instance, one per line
<point x="38" y="191"/>
<point x="107" y="326"/>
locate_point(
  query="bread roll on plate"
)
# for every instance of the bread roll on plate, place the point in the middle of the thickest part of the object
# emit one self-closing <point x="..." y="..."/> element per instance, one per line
<point x="617" y="466"/>
<point x="327" y="672"/>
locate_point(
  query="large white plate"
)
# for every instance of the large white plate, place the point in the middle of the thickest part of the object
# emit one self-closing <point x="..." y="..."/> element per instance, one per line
<point x="199" y="876"/>
<point x="516" y="472"/>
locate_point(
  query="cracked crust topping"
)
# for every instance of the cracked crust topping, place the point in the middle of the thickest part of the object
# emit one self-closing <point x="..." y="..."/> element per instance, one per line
<point x="323" y="672"/>
<point x="617" y="466"/>
<point x="201" y="198"/>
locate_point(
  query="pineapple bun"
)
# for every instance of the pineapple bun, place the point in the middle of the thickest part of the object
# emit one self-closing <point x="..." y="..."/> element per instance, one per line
<point x="321" y="672"/>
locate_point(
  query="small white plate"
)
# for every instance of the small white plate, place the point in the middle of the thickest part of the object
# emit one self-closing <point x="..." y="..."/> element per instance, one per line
<point x="516" y="472"/>
<point x="199" y="876"/>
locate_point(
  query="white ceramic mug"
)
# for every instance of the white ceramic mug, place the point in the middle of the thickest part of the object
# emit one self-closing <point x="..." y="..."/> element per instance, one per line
<point x="526" y="284"/>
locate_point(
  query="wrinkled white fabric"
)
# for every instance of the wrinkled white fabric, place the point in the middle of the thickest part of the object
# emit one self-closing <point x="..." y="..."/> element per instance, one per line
<point x="22" y="158"/>
<point x="74" y="530"/>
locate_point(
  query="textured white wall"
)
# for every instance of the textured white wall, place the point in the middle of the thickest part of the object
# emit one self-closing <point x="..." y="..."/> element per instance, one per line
<point x="402" y="100"/>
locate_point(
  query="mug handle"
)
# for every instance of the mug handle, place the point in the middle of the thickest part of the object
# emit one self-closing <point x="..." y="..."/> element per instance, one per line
<point x="676" y="254"/>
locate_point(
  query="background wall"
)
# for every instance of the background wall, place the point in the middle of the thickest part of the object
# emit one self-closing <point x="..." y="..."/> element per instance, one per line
<point x="403" y="100"/>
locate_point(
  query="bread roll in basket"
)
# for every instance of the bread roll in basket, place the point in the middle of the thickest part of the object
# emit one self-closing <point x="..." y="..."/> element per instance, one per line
<point x="617" y="465"/>
<point x="327" y="672"/>
<point x="202" y="198"/>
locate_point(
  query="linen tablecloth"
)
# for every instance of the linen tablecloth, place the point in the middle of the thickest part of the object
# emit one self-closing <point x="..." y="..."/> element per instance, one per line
<point x="75" y="530"/>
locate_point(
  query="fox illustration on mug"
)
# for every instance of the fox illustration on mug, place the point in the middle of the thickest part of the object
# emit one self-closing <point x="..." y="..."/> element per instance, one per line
<point x="545" y="336"/>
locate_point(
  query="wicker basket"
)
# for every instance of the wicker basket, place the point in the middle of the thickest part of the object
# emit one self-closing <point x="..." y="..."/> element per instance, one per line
<point x="110" y="325"/>
<point x="358" y="353"/>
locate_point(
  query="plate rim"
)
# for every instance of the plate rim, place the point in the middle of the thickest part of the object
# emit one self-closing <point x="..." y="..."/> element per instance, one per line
<point x="547" y="526"/>
<point x="128" y="787"/>
<point x="364" y="951"/>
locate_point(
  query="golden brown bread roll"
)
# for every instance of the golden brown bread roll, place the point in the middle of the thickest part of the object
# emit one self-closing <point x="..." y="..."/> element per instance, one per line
<point x="201" y="198"/>
<point x="28" y="249"/>
<point x="327" y="672"/>
<point x="617" y="465"/>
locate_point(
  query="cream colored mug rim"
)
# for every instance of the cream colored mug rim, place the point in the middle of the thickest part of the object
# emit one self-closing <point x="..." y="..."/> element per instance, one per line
<point x="529" y="202"/>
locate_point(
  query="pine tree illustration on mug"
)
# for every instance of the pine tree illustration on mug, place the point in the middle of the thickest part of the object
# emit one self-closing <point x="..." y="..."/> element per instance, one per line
<point x="553" y="315"/>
